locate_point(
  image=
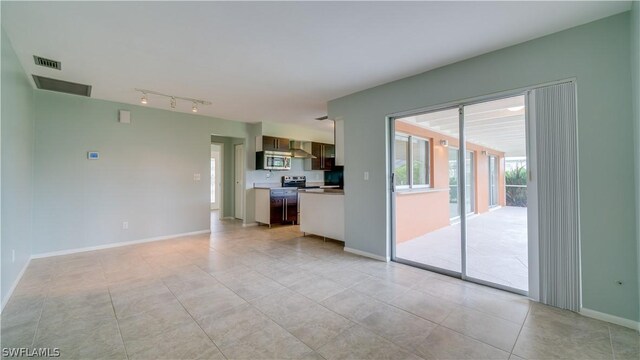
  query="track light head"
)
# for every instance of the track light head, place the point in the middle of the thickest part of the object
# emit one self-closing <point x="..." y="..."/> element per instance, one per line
<point x="173" y="99"/>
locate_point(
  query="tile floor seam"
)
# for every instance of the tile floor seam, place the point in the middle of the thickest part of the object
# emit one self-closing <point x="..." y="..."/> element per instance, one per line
<point x="35" y="333"/>
<point x="613" y="351"/>
<point x="284" y="328"/>
<point x="194" y="320"/>
<point x="493" y="315"/>
<point x="414" y="314"/>
<point x="392" y="341"/>
<point x="476" y="339"/>
<point x="473" y="338"/>
<point x="257" y="309"/>
<point x="126" y="353"/>
<point x="520" y="331"/>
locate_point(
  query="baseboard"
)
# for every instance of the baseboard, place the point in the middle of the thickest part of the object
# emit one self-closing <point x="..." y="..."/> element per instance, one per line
<point x="250" y="224"/>
<point x="118" y="244"/>
<point x="366" y="254"/>
<point x="5" y="300"/>
<point x="635" y="325"/>
<point x="228" y="218"/>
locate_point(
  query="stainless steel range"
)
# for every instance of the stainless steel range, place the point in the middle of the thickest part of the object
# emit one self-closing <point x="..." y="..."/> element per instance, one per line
<point x="299" y="182"/>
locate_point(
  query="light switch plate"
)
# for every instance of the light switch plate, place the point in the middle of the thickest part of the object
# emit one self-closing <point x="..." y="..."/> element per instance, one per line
<point x="196" y="177"/>
<point x="366" y="175"/>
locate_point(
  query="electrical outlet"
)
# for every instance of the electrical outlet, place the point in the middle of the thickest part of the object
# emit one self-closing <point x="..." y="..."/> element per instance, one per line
<point x="13" y="255"/>
<point x="366" y="175"/>
<point x="196" y="177"/>
<point x="125" y="225"/>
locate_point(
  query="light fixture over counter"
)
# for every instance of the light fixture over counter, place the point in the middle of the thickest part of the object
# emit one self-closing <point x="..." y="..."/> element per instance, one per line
<point x="172" y="99"/>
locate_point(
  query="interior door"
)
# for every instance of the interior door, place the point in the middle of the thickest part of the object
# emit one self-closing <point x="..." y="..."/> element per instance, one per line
<point x="239" y="181"/>
<point x="216" y="176"/>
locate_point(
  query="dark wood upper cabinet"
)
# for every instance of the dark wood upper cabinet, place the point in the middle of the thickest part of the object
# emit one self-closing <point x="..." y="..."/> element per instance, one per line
<point x="271" y="143"/>
<point x="325" y="157"/>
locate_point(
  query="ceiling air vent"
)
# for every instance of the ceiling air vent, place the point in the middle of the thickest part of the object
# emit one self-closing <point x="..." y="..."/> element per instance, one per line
<point x="61" y="86"/>
<point x="48" y="63"/>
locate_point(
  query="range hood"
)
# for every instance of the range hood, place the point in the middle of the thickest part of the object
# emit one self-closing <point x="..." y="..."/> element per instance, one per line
<point x="297" y="151"/>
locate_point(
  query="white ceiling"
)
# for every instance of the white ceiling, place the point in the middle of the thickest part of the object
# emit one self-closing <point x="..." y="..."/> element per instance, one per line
<point x="269" y="61"/>
<point x="498" y="124"/>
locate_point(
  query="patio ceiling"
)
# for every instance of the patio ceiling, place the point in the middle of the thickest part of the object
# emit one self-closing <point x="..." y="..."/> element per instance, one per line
<point x="498" y="124"/>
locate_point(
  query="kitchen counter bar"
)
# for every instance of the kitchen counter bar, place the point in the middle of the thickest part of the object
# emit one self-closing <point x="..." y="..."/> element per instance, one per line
<point x="322" y="215"/>
<point x="322" y="191"/>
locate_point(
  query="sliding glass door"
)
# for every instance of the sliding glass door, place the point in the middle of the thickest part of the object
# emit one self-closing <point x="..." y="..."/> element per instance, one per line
<point x="483" y="178"/>
<point x="426" y="171"/>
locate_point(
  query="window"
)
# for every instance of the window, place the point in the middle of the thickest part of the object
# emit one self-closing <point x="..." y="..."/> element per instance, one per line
<point x="411" y="165"/>
<point x="401" y="161"/>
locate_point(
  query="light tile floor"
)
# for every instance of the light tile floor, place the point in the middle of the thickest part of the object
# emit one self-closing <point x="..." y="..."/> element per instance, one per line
<point x="258" y="293"/>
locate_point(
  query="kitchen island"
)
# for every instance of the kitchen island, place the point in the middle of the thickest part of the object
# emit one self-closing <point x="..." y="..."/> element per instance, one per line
<point x="322" y="212"/>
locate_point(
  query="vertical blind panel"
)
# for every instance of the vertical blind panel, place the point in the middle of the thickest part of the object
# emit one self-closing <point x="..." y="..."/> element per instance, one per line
<point x="558" y="212"/>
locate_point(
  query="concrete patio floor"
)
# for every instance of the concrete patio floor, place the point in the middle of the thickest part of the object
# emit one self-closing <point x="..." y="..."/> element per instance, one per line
<point x="496" y="247"/>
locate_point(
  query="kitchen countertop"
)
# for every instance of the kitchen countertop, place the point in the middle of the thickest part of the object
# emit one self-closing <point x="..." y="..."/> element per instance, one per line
<point x="278" y="186"/>
<point x="322" y="191"/>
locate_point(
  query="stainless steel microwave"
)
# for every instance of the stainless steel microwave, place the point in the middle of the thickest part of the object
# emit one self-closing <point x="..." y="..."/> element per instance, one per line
<point x="273" y="160"/>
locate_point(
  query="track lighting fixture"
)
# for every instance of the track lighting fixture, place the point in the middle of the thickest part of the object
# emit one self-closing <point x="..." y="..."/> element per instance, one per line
<point x="173" y="99"/>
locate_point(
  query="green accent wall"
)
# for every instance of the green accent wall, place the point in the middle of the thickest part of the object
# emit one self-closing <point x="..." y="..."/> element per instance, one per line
<point x="598" y="56"/>
<point x="145" y="174"/>
<point x="17" y="139"/>
<point x="635" y="67"/>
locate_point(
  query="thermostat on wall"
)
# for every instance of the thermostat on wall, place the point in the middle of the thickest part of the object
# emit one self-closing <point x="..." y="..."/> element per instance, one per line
<point x="93" y="155"/>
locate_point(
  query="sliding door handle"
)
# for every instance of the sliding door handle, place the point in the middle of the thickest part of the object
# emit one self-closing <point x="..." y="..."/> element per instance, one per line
<point x="393" y="182"/>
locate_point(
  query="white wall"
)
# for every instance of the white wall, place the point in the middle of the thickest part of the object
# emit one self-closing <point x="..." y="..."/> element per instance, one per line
<point x="323" y="134"/>
<point x="17" y="138"/>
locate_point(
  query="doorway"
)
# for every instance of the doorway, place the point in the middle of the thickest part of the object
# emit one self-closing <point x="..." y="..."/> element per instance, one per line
<point x="217" y="177"/>
<point x="239" y="181"/>
<point x="446" y="226"/>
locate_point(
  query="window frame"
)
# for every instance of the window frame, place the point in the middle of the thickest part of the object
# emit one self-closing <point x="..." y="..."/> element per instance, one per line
<point x="410" y="158"/>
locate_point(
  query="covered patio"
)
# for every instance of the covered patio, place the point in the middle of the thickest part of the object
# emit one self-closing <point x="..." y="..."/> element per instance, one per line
<point x="496" y="247"/>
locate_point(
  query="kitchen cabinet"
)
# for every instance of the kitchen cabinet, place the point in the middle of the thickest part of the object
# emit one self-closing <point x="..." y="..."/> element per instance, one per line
<point x="322" y="214"/>
<point x="339" y="136"/>
<point x="276" y="206"/>
<point x="325" y="156"/>
<point x="271" y="143"/>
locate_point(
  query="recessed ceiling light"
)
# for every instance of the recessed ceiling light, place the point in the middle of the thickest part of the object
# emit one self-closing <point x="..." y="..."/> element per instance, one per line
<point x="516" y="108"/>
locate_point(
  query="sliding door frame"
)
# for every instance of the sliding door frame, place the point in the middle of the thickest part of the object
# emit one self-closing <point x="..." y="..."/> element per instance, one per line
<point x="533" y="264"/>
